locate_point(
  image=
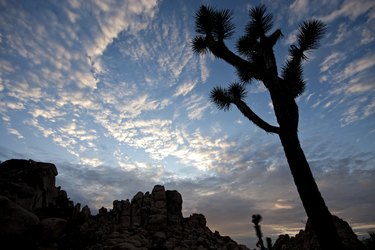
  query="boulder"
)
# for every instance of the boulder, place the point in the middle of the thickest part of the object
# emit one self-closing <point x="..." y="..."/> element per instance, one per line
<point x="52" y="229"/>
<point x="174" y="206"/>
<point x="28" y="183"/>
<point x="86" y="212"/>
<point x="136" y="209"/>
<point x="15" y="220"/>
<point x="17" y="226"/>
<point x="307" y="240"/>
<point x="197" y="220"/>
<point x="122" y="213"/>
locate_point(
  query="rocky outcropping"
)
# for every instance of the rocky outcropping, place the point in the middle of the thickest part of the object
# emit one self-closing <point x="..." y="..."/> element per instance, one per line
<point x="30" y="184"/>
<point x="156" y="210"/>
<point x="38" y="215"/>
<point x="307" y="240"/>
<point x="35" y="214"/>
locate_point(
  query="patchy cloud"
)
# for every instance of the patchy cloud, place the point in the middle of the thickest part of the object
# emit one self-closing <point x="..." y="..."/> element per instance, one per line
<point x="185" y="88"/>
<point x="195" y="106"/>
<point x="298" y="8"/>
<point x="351" y="9"/>
<point x="331" y="60"/>
<point x="111" y="92"/>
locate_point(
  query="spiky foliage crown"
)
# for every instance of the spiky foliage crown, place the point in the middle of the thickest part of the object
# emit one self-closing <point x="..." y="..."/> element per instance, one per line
<point x="224" y="97"/>
<point x="216" y="25"/>
<point x="309" y="35"/>
<point x="210" y="22"/>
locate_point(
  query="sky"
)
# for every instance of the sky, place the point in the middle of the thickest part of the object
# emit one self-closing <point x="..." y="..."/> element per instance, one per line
<point x="112" y="94"/>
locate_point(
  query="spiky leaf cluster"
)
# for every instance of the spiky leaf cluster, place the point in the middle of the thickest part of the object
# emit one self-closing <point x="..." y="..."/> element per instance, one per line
<point x="220" y="97"/>
<point x="237" y="91"/>
<point x="224" y="97"/>
<point x="252" y="44"/>
<point x="199" y="45"/>
<point x="224" y="28"/>
<point x="260" y="22"/>
<point x="215" y="23"/>
<point x="309" y="35"/>
<point x="204" y="20"/>
<point x="293" y="77"/>
<point x="249" y="47"/>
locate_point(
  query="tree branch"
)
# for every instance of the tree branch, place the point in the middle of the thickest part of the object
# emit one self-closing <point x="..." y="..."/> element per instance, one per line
<point x="220" y="50"/>
<point x="246" y="111"/>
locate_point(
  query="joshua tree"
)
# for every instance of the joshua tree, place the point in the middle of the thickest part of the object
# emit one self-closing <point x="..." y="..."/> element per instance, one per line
<point x="256" y="219"/>
<point x="256" y="60"/>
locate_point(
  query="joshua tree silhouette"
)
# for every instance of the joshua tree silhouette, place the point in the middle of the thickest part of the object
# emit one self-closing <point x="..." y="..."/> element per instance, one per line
<point x="256" y="60"/>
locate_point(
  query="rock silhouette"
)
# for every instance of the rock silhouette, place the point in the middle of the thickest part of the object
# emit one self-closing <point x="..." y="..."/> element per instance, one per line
<point x="306" y="239"/>
<point x="38" y="215"/>
<point x="35" y="214"/>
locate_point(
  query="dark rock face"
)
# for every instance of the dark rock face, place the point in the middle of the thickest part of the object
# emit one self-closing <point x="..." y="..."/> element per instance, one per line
<point x="15" y="220"/>
<point x="39" y="215"/>
<point x="28" y="183"/>
<point x="306" y="239"/>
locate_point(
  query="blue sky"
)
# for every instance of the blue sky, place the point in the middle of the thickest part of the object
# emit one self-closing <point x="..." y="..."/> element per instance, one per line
<point x="111" y="92"/>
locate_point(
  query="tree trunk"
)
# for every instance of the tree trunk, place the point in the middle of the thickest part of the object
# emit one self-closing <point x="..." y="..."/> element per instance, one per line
<point x="313" y="202"/>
